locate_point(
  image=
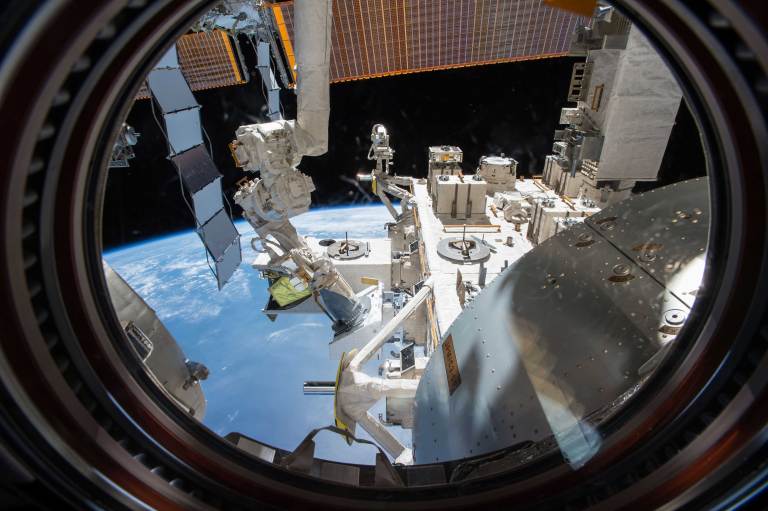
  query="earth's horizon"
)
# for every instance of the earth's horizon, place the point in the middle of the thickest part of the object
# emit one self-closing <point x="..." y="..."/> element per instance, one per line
<point x="257" y="367"/>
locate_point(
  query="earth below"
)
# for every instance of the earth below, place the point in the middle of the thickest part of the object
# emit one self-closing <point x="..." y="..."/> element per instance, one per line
<point x="257" y="367"/>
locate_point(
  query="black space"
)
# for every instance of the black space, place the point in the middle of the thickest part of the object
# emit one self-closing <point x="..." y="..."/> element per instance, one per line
<point x="504" y="108"/>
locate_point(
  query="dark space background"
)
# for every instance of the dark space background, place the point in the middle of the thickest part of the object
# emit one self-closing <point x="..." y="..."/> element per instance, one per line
<point x="504" y="108"/>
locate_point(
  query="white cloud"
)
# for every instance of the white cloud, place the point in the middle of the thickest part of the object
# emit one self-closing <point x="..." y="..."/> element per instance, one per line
<point x="227" y="331"/>
<point x="285" y="334"/>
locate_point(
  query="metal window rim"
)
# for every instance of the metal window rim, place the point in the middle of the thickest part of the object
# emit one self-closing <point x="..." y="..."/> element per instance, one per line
<point x="50" y="288"/>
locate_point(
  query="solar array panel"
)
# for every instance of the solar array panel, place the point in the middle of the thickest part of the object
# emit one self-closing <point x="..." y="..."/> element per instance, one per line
<point x="198" y="173"/>
<point x="207" y="61"/>
<point x="373" y="38"/>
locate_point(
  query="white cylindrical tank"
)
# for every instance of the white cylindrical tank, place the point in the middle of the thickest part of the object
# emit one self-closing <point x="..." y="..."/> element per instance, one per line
<point x="499" y="172"/>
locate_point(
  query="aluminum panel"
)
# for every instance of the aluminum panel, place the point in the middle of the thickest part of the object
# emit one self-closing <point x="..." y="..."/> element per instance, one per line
<point x="663" y="231"/>
<point x="228" y="263"/>
<point x="552" y="343"/>
<point x="166" y="360"/>
<point x="264" y="58"/>
<point x="169" y="60"/>
<point x="196" y="168"/>
<point x="207" y="202"/>
<point x="252" y="447"/>
<point x="170" y="90"/>
<point x="218" y="234"/>
<point x="493" y="402"/>
<point x="339" y="472"/>
<point x="183" y="130"/>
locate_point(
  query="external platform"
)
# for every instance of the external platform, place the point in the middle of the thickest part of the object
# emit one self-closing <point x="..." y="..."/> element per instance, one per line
<point x="490" y="228"/>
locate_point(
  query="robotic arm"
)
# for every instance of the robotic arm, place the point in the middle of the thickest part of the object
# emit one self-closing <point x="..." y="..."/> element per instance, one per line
<point x="274" y="150"/>
<point x="268" y="203"/>
<point x="383" y="182"/>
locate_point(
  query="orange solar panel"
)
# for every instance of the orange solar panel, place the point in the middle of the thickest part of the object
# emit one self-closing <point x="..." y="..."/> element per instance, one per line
<point x="207" y="61"/>
<point x="373" y="38"/>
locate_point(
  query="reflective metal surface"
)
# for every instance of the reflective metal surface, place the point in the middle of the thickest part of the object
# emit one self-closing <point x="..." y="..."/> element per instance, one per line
<point x="563" y="333"/>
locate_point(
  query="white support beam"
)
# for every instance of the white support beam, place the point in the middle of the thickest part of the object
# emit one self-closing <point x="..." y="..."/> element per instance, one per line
<point x="367" y="351"/>
<point x="386" y="439"/>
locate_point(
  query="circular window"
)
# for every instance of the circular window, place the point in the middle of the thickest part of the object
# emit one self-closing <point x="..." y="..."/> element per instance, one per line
<point x="325" y="252"/>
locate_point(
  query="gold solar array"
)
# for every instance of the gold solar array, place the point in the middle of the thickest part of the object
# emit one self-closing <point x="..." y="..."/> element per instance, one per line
<point x="373" y="38"/>
<point x="207" y="61"/>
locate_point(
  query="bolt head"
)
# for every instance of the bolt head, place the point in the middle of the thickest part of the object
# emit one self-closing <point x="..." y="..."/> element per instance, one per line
<point x="621" y="270"/>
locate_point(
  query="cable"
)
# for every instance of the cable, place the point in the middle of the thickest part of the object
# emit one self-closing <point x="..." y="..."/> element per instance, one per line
<point x="157" y="121"/>
<point x="229" y="206"/>
<point x="172" y="151"/>
<point x="181" y="184"/>
<point x="208" y="262"/>
<point x="178" y="170"/>
<point x="210" y="145"/>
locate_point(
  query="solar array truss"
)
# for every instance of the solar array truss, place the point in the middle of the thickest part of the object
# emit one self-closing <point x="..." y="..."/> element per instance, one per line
<point x="372" y="38"/>
<point x="207" y="61"/>
<point x="199" y="175"/>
